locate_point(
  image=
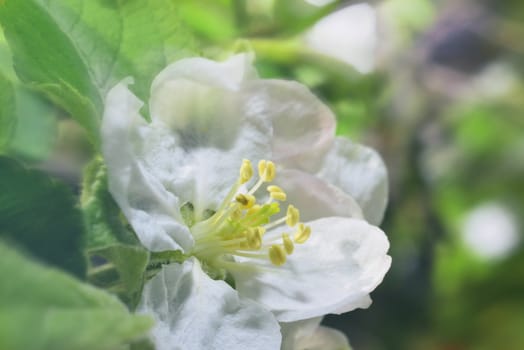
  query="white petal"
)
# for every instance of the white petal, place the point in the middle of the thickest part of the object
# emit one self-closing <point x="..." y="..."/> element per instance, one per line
<point x="294" y="332"/>
<point x="349" y="35"/>
<point x="303" y="127"/>
<point x="336" y="269"/>
<point x="309" y="335"/>
<point x="360" y="172"/>
<point x="213" y="122"/>
<point x="324" y="338"/>
<point x="315" y="198"/>
<point x="194" y="312"/>
<point x="149" y="207"/>
<point x="198" y="99"/>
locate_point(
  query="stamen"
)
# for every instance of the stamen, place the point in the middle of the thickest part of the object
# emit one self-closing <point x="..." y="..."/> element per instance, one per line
<point x="238" y="227"/>
<point x="246" y="200"/>
<point x="274" y="188"/>
<point x="254" y="239"/>
<point x="302" y="234"/>
<point x="292" y="216"/>
<point x="266" y="170"/>
<point x="262" y="168"/>
<point x="277" y="255"/>
<point x="260" y="230"/>
<point x="253" y="209"/>
<point x="246" y="171"/>
<point x="275" y="223"/>
<point x="270" y="173"/>
<point x="236" y="214"/>
<point x="288" y="243"/>
<point x="276" y="193"/>
<point x="278" y="196"/>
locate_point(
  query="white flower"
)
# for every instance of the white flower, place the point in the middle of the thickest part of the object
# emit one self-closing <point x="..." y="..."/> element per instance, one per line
<point x="349" y="35"/>
<point x="309" y="335"/>
<point x="177" y="180"/>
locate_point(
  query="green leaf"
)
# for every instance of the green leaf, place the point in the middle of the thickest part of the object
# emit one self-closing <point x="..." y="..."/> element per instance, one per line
<point x="122" y="273"/>
<point x="153" y="37"/>
<point x="39" y="215"/>
<point x="43" y="308"/>
<point x="7" y="111"/>
<point x="106" y="226"/>
<point x="210" y="20"/>
<point x="36" y="126"/>
<point x="6" y="63"/>
<point x="28" y="124"/>
<point x="48" y="59"/>
<point x="295" y="16"/>
<point x="82" y="48"/>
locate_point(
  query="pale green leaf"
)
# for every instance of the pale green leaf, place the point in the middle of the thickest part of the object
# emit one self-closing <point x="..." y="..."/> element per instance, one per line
<point x="7" y="111"/>
<point x="43" y="308"/>
<point x="82" y="48"/>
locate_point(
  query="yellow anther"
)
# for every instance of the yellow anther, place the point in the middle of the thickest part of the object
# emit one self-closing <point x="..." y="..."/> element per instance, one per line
<point x="254" y="209"/>
<point x="277" y="255"/>
<point x="266" y="170"/>
<point x="254" y="239"/>
<point x="262" y="168"/>
<point x="276" y="193"/>
<point x="269" y="174"/>
<point x="288" y="244"/>
<point x="302" y="233"/>
<point x="292" y="216"/>
<point x="278" y="196"/>
<point x="246" y="200"/>
<point x="246" y="171"/>
<point x="273" y="188"/>
<point x="261" y="230"/>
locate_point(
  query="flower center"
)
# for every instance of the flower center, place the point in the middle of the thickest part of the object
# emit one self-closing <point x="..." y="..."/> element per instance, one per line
<point x="242" y="226"/>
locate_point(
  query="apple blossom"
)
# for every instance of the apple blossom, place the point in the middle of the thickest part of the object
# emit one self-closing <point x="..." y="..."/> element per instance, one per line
<point x="296" y="234"/>
<point x="310" y="335"/>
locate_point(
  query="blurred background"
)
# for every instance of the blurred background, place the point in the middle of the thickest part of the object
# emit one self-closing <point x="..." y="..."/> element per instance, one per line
<point x="437" y="87"/>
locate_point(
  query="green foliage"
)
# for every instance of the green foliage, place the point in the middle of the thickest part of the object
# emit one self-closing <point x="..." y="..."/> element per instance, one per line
<point x="82" y="48"/>
<point x="27" y="123"/>
<point x="105" y="223"/>
<point x="36" y="126"/>
<point x="121" y="272"/>
<point x="210" y="20"/>
<point x="43" y="308"/>
<point x="296" y="16"/>
<point x="48" y="59"/>
<point x="39" y="215"/>
<point x="7" y="111"/>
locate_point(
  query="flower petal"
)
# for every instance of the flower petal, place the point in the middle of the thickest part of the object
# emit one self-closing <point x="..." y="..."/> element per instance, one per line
<point x="149" y="207"/>
<point x="303" y="127"/>
<point x="342" y="262"/>
<point x="349" y="34"/>
<point x="293" y="332"/>
<point x="324" y="338"/>
<point x="360" y="172"/>
<point x="192" y="311"/>
<point x="212" y="123"/>
<point x="198" y="99"/>
<point x="315" y="198"/>
<point x="309" y="335"/>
